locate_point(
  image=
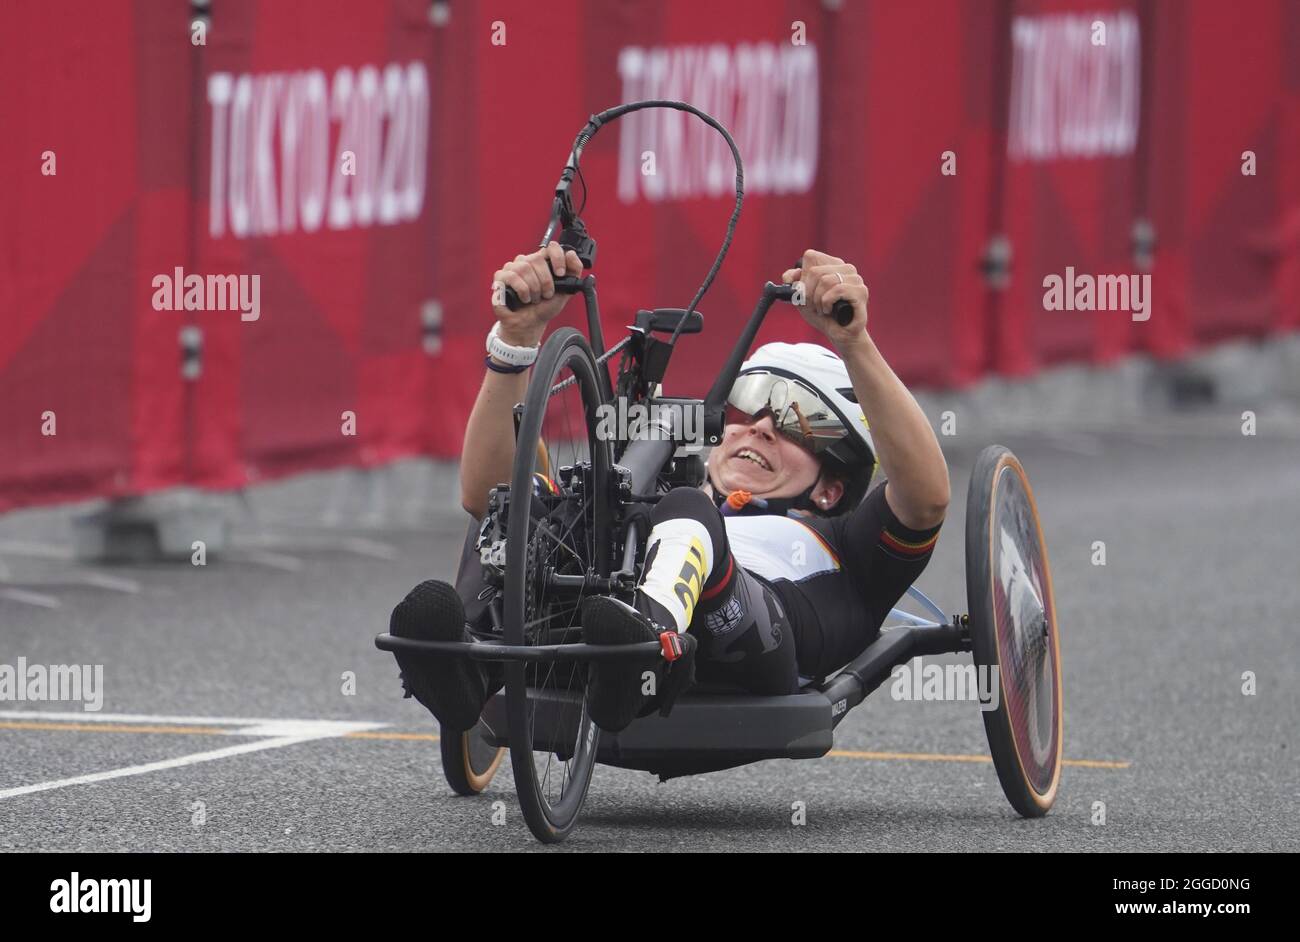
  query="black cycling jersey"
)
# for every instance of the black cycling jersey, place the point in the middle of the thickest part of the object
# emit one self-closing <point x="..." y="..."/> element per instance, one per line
<point x="834" y="578"/>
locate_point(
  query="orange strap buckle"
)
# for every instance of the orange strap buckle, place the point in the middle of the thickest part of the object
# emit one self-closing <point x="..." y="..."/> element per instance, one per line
<point x="738" y="499"/>
<point x="671" y="646"/>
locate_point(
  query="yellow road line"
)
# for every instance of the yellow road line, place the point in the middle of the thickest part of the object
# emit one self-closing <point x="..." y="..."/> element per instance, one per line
<point x="426" y="737"/>
<point x="116" y="728"/>
<point x="430" y="737"/>
<point x="906" y="756"/>
<point x="943" y="757"/>
<point x="1095" y="764"/>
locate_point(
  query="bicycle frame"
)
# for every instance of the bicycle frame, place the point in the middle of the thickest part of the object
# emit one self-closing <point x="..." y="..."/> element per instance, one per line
<point x="645" y="458"/>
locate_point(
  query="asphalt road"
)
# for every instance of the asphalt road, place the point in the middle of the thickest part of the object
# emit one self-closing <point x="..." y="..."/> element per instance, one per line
<point x="1201" y="583"/>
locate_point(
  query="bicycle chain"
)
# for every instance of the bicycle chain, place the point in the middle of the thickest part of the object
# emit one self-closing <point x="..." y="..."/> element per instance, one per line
<point x="599" y="360"/>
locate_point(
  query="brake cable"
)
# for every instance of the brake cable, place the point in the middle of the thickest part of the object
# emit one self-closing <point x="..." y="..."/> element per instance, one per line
<point x="564" y="214"/>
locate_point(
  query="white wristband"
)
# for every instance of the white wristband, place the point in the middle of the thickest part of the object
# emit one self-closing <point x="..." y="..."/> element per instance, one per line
<point x="509" y="353"/>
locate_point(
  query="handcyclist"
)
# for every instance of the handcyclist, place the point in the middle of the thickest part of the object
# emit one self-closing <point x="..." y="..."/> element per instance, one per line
<point x="781" y="566"/>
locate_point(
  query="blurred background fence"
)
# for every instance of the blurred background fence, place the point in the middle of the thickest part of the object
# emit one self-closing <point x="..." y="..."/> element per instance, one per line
<point x="956" y="152"/>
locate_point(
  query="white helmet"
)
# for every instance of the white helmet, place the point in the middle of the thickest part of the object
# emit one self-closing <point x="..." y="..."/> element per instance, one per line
<point x="807" y="389"/>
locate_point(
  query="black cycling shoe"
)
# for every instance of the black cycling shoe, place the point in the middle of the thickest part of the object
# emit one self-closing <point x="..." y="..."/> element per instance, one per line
<point x="453" y="689"/>
<point x="614" y="697"/>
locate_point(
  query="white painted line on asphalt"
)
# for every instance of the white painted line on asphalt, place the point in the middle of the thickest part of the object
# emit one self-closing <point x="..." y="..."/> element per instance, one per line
<point x="1075" y="444"/>
<point x="370" y="548"/>
<point x="180" y="761"/>
<point x="39" y="599"/>
<point x="113" y="583"/>
<point x="310" y="728"/>
<point x="34" y="550"/>
<point x="264" y="558"/>
<point x="152" y="719"/>
<point x="273" y="734"/>
<point x="327" y="543"/>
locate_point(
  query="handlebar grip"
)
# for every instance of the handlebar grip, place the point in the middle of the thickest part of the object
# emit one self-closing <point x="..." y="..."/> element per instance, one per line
<point x="842" y="310"/>
<point x="569" y="284"/>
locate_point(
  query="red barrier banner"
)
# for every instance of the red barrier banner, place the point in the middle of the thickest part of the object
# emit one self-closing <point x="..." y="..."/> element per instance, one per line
<point x="1219" y="191"/>
<point x="659" y="184"/>
<point x="265" y="243"/>
<point x="1069" y="190"/>
<point x="312" y="178"/>
<point x="910" y="156"/>
<point x="95" y="161"/>
<point x="1287" y="241"/>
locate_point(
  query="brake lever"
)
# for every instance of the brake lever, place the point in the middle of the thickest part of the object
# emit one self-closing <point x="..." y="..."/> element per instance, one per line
<point x="574" y="237"/>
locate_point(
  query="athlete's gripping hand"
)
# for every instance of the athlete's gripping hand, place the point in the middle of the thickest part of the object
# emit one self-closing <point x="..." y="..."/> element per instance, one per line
<point x="533" y="278"/>
<point x="827" y="279"/>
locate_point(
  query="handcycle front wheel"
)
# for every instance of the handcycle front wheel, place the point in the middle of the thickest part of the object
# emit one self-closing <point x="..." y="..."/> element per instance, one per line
<point x="1014" y="630"/>
<point x="555" y="530"/>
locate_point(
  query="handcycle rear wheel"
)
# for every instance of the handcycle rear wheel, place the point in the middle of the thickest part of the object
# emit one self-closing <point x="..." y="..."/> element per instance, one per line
<point x="469" y="760"/>
<point x="558" y="428"/>
<point x="1014" y="629"/>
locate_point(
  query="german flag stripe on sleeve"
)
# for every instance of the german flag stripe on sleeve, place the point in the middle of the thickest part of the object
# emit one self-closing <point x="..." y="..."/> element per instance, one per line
<point x="911" y="549"/>
<point x="830" y="550"/>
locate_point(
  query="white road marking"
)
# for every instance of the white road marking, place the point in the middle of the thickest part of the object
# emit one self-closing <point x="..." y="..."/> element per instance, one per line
<point x="322" y="543"/>
<point x="1080" y="443"/>
<point x="154" y="719"/>
<point x="39" y="599"/>
<point x="258" y="557"/>
<point x="112" y="583"/>
<point x="178" y="762"/>
<point x="271" y="733"/>
<point x="371" y="548"/>
<point x="34" y="550"/>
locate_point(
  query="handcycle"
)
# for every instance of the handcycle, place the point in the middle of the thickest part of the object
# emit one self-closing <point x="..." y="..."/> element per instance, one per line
<point x="570" y="523"/>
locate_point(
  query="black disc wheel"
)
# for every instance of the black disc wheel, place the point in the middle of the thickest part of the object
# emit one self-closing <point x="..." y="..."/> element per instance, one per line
<point x="1014" y="630"/>
<point x="559" y="525"/>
